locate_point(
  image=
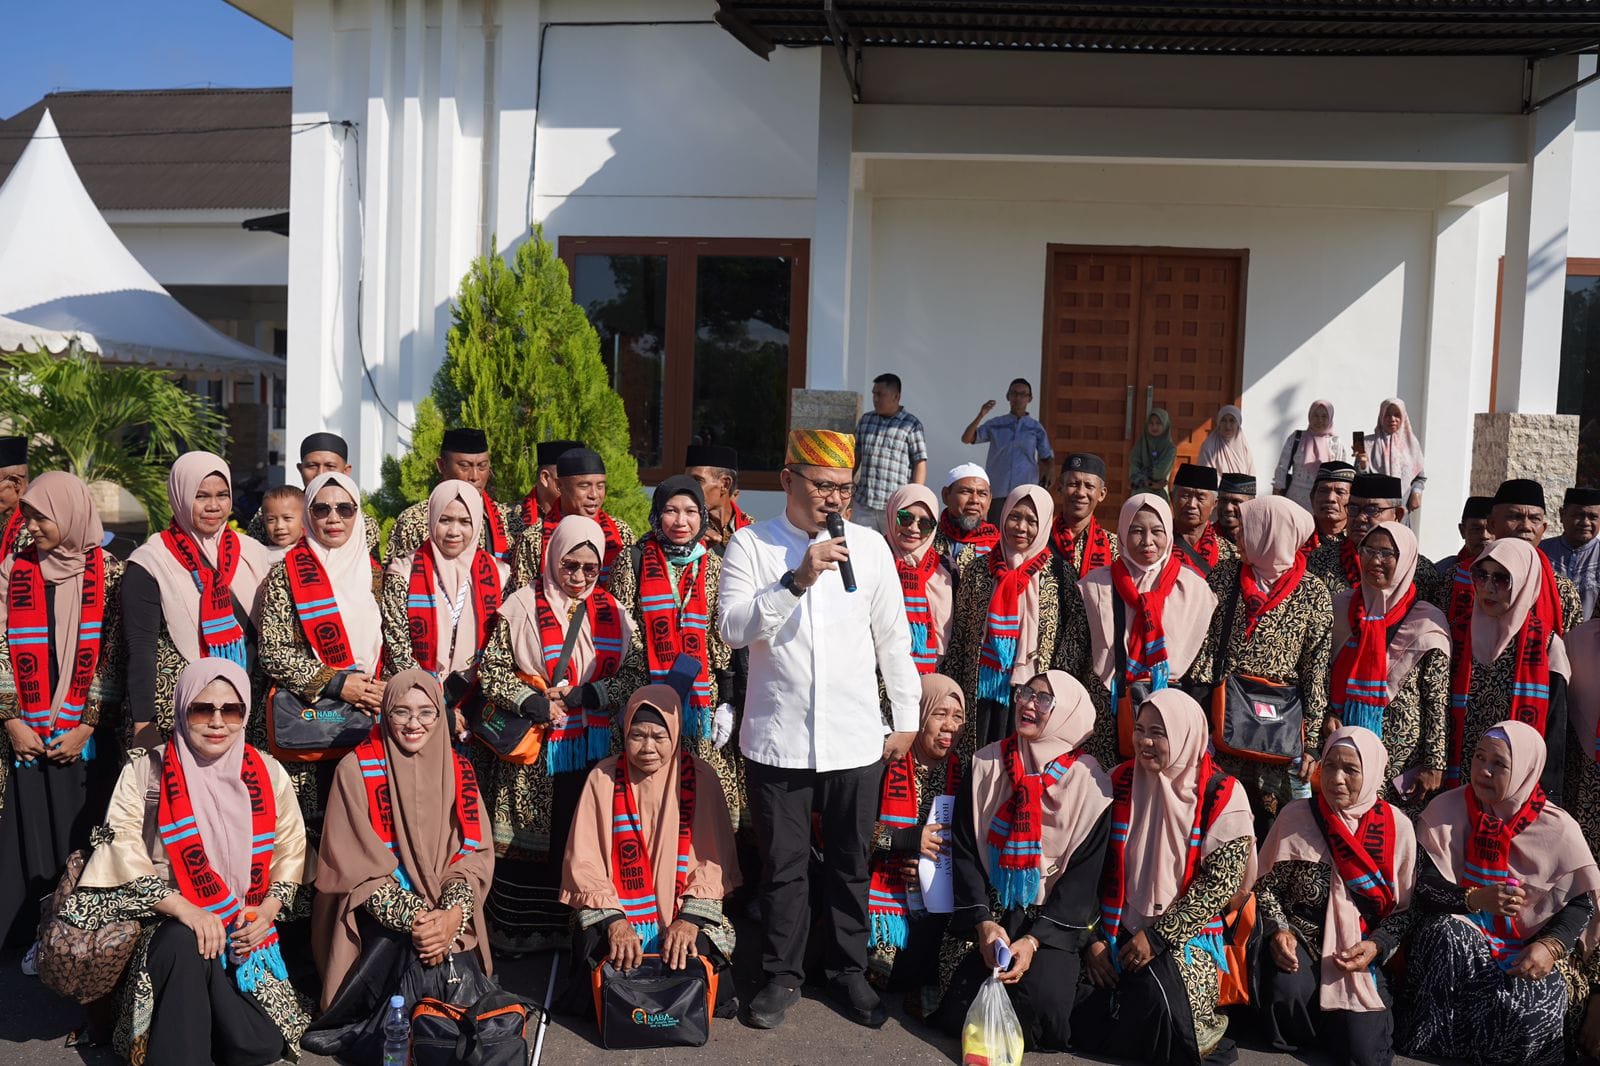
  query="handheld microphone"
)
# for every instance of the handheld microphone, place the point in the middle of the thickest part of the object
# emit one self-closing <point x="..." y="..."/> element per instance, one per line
<point x="836" y="531"/>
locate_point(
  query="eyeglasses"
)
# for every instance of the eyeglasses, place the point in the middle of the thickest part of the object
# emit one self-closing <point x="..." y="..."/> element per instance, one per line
<point x="406" y="715"/>
<point x="824" y="489"/>
<point x="202" y="713"/>
<point x="1042" y="701"/>
<point x="1490" y="579"/>
<point x="572" y="569"/>
<point x="1378" y="555"/>
<point x="911" y="518"/>
<point x="1372" y="510"/>
<point x="346" y="510"/>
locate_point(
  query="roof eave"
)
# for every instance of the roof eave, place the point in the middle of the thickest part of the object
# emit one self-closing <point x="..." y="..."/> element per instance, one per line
<point x="278" y="14"/>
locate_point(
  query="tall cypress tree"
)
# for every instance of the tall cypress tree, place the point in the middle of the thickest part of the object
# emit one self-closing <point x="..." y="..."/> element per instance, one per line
<point x="523" y="363"/>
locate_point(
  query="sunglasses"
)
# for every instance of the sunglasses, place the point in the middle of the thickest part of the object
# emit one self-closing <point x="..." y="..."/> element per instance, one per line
<point x="203" y="713"/>
<point x="911" y="518"/>
<point x="586" y="569"/>
<point x="1489" y="579"/>
<point x="346" y="511"/>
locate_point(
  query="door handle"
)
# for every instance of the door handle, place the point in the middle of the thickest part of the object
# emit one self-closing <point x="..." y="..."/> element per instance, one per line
<point x="1127" y="416"/>
<point x="1149" y="401"/>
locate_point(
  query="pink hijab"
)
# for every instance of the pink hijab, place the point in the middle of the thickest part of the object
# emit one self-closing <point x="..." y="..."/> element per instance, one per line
<point x="520" y="609"/>
<point x="180" y="600"/>
<point x="349" y="570"/>
<point x="64" y="500"/>
<point x="1228" y="456"/>
<point x="1316" y="447"/>
<point x="1024" y="668"/>
<point x="1271" y="530"/>
<point x="1583" y="695"/>
<point x="1295" y="837"/>
<point x="1550" y="859"/>
<point x="1074" y="804"/>
<point x="941" y="593"/>
<point x="1186" y="616"/>
<point x="1163" y="815"/>
<point x="1397" y="454"/>
<point x="221" y="800"/>
<point x="1492" y="636"/>
<point x="1424" y="628"/>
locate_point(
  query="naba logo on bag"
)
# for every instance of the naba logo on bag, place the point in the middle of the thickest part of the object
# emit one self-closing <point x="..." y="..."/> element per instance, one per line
<point x="661" y="1020"/>
<point x="1265" y="711"/>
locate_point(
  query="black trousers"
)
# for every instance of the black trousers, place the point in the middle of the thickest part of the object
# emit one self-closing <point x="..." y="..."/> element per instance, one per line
<point x="200" y="1016"/>
<point x="1043" y="999"/>
<point x="782" y="801"/>
<point x="1293" y="1018"/>
<point x="1145" y="1018"/>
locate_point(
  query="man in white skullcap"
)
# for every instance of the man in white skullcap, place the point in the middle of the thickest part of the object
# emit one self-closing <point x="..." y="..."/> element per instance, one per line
<point x="965" y="533"/>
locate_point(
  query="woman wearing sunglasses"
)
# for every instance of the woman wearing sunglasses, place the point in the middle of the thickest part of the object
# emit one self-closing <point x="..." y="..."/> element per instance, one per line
<point x="190" y="592"/>
<point x="909" y="522"/>
<point x="207" y="849"/>
<point x="1391" y="665"/>
<point x="1512" y="662"/>
<point x="60" y="632"/>
<point x="553" y="659"/>
<point x="404" y="867"/>
<point x="321" y="632"/>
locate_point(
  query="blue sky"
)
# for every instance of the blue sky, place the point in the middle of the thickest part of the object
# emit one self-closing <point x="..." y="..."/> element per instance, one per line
<point x="133" y="44"/>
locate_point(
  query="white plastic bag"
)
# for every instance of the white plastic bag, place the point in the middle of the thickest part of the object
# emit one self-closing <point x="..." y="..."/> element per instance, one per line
<point x="992" y="1035"/>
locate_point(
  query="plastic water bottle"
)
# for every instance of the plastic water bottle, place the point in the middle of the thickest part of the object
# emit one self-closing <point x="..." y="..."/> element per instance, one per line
<point x="396" y="1034"/>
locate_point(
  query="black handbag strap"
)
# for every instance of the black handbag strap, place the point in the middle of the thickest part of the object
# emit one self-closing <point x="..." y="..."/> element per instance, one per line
<point x="567" y="645"/>
<point x="1294" y="449"/>
<point x="1225" y="634"/>
<point x="1193" y="556"/>
<point x="1119" y="640"/>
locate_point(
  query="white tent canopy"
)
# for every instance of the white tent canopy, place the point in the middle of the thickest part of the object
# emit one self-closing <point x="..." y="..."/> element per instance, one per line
<point x="64" y="274"/>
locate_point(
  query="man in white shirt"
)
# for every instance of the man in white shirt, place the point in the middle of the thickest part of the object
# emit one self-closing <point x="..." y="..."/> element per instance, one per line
<point x="813" y="735"/>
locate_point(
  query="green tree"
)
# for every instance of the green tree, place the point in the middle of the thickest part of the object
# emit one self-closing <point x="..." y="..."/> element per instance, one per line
<point x="104" y="422"/>
<point x="522" y="363"/>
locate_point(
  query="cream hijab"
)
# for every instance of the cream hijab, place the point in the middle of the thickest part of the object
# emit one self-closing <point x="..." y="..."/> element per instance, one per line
<point x="1074" y="804"/>
<point x="349" y="570"/>
<point x="1228" y="456"/>
<point x="1492" y="636"/>
<point x="64" y="500"/>
<point x="1423" y="629"/>
<point x="1185" y="618"/>
<point x="1163" y="815"/>
<point x="180" y="599"/>
<point x="521" y="614"/>
<point x="1271" y="530"/>
<point x="1024" y="667"/>
<point x="1396" y="454"/>
<point x="941" y="593"/>
<point x="1295" y="837"/>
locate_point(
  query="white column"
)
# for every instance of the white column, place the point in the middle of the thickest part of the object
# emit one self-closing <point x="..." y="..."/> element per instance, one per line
<point x="828" y="321"/>
<point x="1539" y="208"/>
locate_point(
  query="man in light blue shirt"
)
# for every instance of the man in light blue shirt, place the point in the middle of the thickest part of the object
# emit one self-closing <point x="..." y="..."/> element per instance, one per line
<point x="1019" y="448"/>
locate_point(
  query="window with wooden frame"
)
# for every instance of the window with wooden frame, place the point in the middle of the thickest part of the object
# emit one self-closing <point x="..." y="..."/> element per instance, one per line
<point x="702" y="338"/>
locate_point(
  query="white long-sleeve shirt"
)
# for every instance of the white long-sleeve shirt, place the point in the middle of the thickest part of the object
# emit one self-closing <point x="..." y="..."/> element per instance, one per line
<point x="812" y="698"/>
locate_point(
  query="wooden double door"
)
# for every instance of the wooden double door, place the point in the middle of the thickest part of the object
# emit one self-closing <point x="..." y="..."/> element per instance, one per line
<point x="1128" y="330"/>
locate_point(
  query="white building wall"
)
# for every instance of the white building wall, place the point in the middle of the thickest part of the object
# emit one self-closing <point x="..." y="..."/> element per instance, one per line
<point x="179" y="252"/>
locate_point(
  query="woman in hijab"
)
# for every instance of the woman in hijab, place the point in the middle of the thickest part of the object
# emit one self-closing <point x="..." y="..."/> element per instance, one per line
<point x="1506" y="885"/>
<point x="652" y="815"/>
<point x="1147" y="616"/>
<point x="676" y="613"/>
<point x="190" y="592"/>
<point x="206" y="848"/>
<point x="910" y="952"/>
<point x="1274" y="622"/>
<point x="321" y="632"/>
<point x="1393" y="449"/>
<point x="404" y="866"/>
<point x="1226" y="449"/>
<point x="1042" y="810"/>
<point x="1182" y="849"/>
<point x="60" y="668"/>
<point x="1304" y="451"/>
<point x="1391" y="664"/>
<point x="1581" y="784"/>
<point x="1154" y="455"/>
<point x="1514" y="662"/>
<point x="1338" y="872"/>
<point x="526" y="671"/>
<point x="1008" y="617"/>
<point x="910" y="519"/>
<point x="439" y="601"/>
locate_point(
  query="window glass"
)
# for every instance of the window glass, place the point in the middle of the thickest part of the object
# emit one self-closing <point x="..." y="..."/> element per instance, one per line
<point x="625" y="297"/>
<point x="741" y="355"/>
<point x="1579" y="389"/>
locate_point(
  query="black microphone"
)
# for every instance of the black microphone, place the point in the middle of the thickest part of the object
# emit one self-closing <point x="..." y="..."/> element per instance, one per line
<point x="836" y="531"/>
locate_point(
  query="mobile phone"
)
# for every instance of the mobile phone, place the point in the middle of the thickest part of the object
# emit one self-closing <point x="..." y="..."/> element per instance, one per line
<point x="1358" y="441"/>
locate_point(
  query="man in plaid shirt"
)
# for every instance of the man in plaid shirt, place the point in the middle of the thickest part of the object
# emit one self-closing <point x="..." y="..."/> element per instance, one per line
<point x="890" y="452"/>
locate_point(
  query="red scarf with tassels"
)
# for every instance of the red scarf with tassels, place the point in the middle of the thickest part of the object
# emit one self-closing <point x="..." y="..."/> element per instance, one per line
<point x="983" y="538"/>
<point x="421" y="619"/>
<point x="1258" y="601"/>
<point x="1096" y="544"/>
<point x="13" y="530"/>
<point x="632" y="873"/>
<point x="919" y="612"/>
<point x="28" y="635"/>
<point x="1363" y="860"/>
<point x="374" y="763"/>
<point x="1361" y="669"/>
<point x="220" y="633"/>
<point x="1147" y="641"/>
<point x="495" y="526"/>
<point x="608" y="528"/>
<point x="1487" y="864"/>
<point x="312" y="595"/>
<point x="899" y="807"/>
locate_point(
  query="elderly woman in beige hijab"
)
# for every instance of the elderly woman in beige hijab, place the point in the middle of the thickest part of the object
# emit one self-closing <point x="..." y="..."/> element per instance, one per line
<point x="527" y="671"/>
<point x="653" y="815"/>
<point x="190" y="592"/>
<point x="60" y="677"/>
<point x="404" y="867"/>
<point x="1332" y="902"/>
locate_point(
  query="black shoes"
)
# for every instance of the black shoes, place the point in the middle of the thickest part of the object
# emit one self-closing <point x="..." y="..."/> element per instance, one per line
<point x="771" y="1004"/>
<point x="857" y="1001"/>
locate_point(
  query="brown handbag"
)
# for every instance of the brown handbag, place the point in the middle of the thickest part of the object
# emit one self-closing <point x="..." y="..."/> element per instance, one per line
<point x="88" y="964"/>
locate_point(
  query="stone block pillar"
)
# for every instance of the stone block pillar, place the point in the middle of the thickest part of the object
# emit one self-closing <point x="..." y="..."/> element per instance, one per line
<point x="1513" y="444"/>
<point x="835" y="409"/>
